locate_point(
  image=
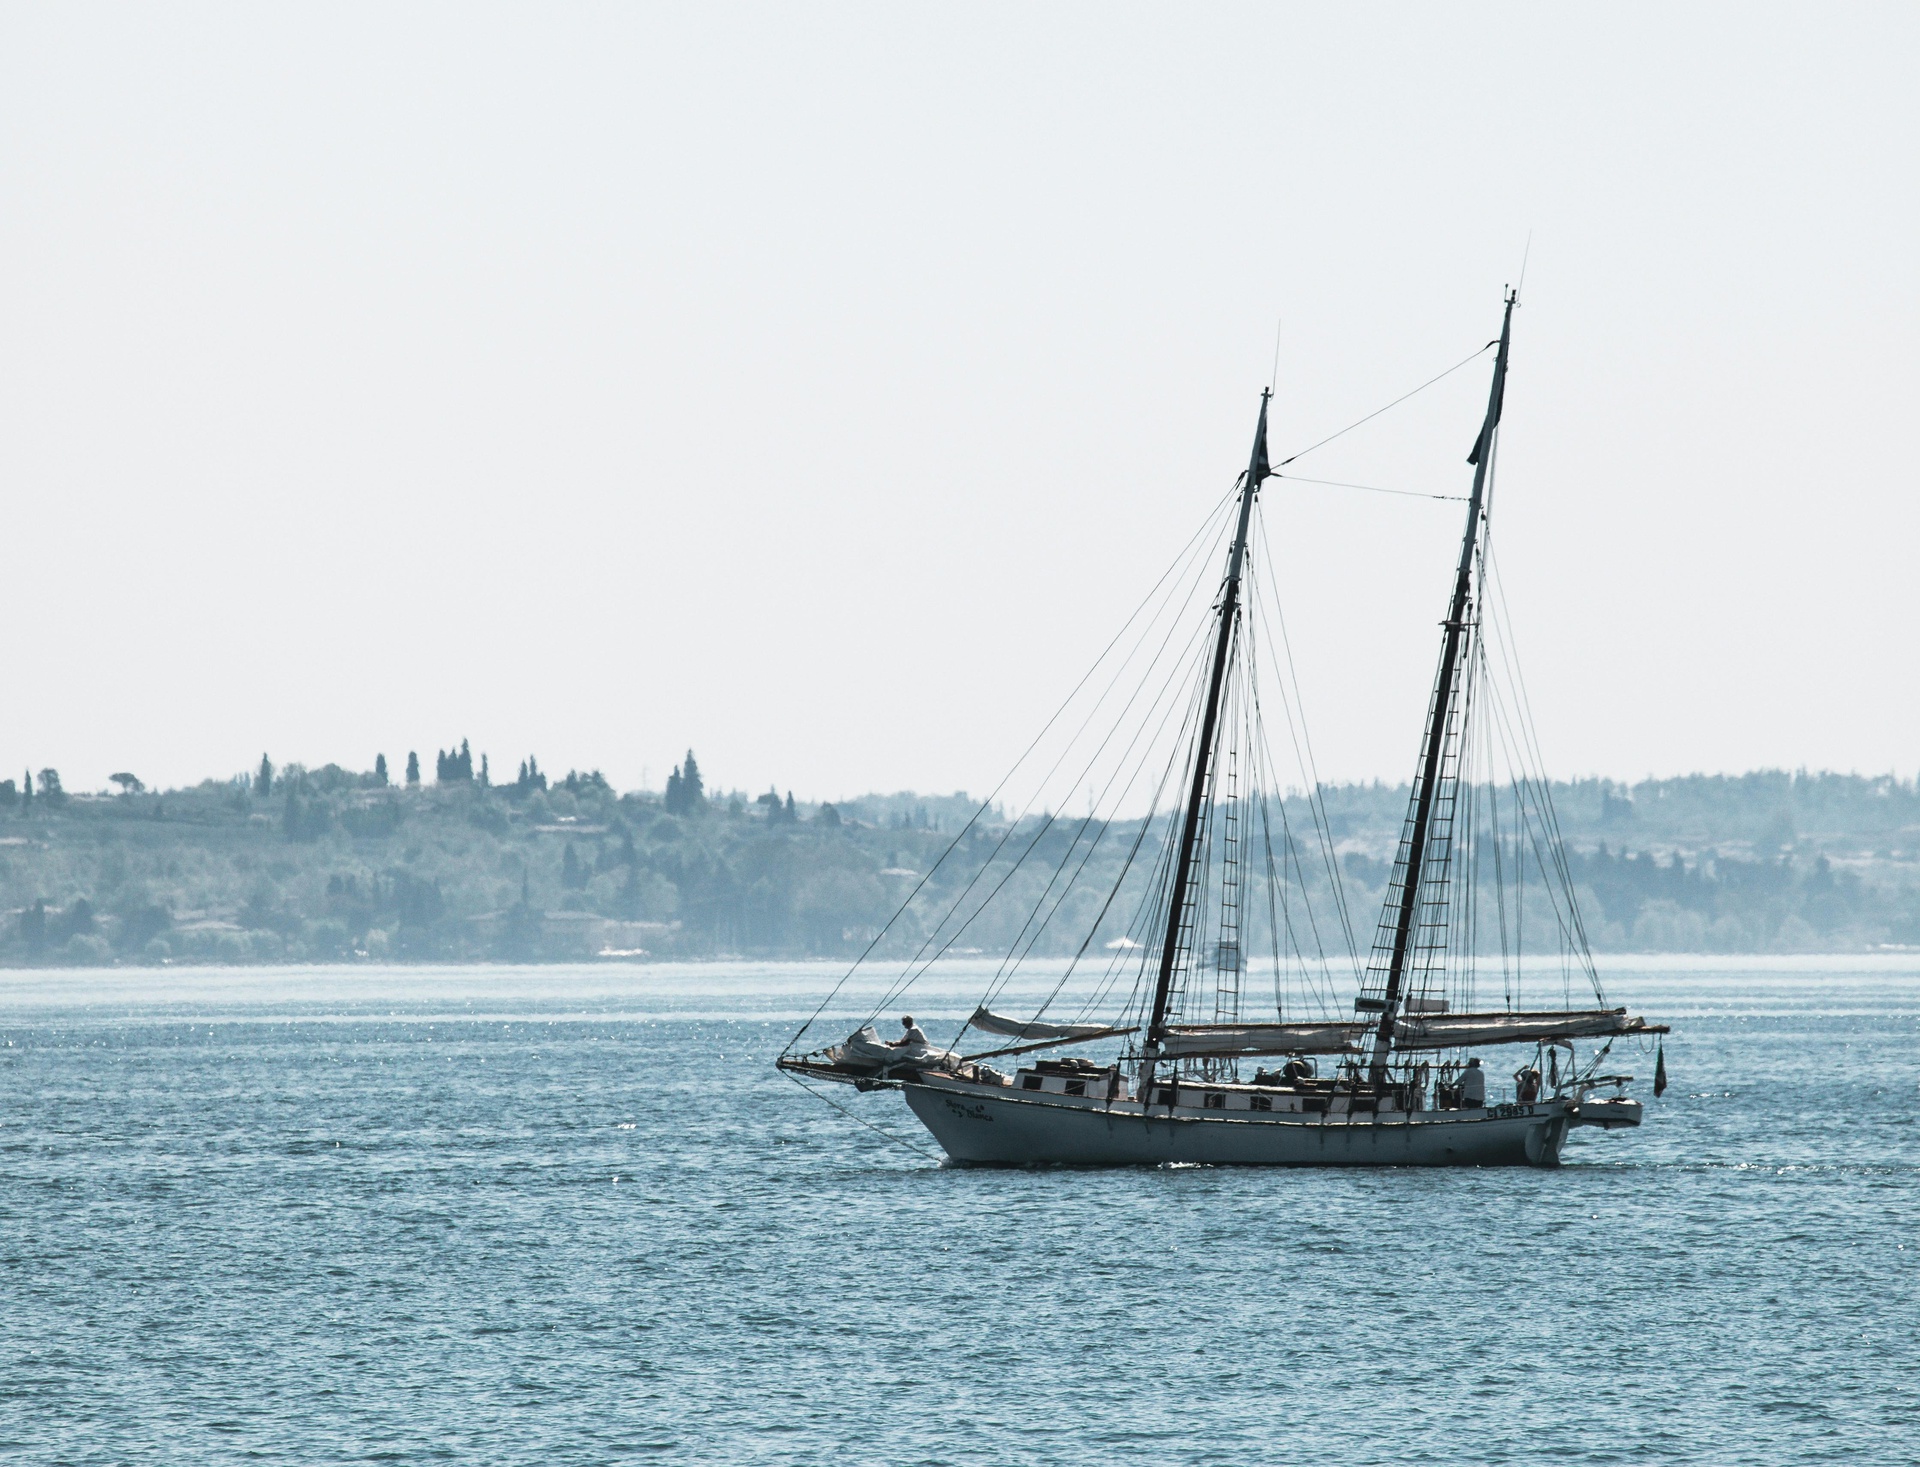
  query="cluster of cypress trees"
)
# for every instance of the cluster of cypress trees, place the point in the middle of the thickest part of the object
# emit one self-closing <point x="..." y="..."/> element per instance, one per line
<point x="455" y="766"/>
<point x="686" y="793"/>
<point x="450" y="766"/>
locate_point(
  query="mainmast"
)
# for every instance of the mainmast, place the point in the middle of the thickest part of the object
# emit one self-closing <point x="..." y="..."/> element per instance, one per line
<point x="1258" y="470"/>
<point x="1434" y="743"/>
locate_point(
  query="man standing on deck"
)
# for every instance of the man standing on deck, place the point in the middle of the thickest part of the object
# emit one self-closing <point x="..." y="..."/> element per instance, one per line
<point x="1473" y="1086"/>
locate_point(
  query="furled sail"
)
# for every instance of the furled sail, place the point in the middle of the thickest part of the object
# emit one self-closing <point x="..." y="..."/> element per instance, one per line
<point x="988" y="1022"/>
<point x="1412" y="1031"/>
<point x="1191" y="1040"/>
<point x="1453" y="1031"/>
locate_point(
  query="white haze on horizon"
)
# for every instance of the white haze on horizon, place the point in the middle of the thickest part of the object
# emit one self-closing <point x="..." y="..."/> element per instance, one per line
<point x="821" y="388"/>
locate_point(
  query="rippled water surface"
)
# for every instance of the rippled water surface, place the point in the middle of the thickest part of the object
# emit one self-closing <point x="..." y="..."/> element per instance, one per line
<point x="559" y="1216"/>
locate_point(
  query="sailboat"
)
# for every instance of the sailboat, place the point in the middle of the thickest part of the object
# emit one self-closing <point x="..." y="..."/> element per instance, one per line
<point x="1398" y="1079"/>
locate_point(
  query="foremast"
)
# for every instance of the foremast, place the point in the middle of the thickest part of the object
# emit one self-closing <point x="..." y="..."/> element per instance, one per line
<point x="1434" y="741"/>
<point x="1258" y="471"/>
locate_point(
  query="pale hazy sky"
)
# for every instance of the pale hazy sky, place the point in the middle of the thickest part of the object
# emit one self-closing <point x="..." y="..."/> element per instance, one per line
<point x="820" y="386"/>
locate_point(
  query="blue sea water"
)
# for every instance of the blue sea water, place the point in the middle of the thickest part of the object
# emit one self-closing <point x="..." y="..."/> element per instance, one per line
<point x="573" y="1215"/>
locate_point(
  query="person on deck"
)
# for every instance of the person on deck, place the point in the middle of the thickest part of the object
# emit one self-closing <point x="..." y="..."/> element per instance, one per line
<point x="1473" y="1086"/>
<point x="914" y="1034"/>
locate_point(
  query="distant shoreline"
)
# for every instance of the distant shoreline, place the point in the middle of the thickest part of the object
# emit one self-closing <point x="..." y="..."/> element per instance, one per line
<point x="332" y="866"/>
<point x="1626" y="960"/>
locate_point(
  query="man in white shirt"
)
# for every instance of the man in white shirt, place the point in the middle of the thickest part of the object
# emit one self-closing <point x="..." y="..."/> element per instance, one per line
<point x="1473" y="1086"/>
<point x="916" y="1035"/>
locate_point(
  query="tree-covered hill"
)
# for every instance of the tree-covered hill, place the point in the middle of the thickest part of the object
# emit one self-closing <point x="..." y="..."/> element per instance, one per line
<point x="331" y="865"/>
<point x="1761" y="862"/>
<point x="328" y="865"/>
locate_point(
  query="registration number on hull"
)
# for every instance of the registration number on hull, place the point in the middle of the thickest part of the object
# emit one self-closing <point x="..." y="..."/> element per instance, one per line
<point x="1508" y="1112"/>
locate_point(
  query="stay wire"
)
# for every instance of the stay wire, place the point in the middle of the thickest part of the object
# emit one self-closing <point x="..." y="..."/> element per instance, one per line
<point x="1279" y="903"/>
<point x="1360" y="423"/>
<point x="1509" y="651"/>
<point x="1113" y="895"/>
<point x="1125" y="766"/>
<point x="1291" y="849"/>
<point x="1022" y="954"/>
<point x="861" y="1121"/>
<point x="1015" y="957"/>
<point x="1263" y="756"/>
<point x="918" y="964"/>
<point x="1510" y="656"/>
<point x="1526" y="788"/>
<point x="1157" y="904"/>
<point x="1182" y="740"/>
<point x="1142" y="929"/>
<point x="987" y="804"/>
<point x="1499" y="861"/>
<point x="1370" y="488"/>
<point x="1303" y="753"/>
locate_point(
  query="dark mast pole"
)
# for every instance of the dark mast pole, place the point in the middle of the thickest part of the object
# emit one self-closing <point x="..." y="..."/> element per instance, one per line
<point x="1435" y="742"/>
<point x="1257" y="472"/>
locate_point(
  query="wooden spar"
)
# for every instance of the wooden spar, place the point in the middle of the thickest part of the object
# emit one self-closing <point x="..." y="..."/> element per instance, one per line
<point x="1435" y="740"/>
<point x="1047" y="1044"/>
<point x="1257" y="472"/>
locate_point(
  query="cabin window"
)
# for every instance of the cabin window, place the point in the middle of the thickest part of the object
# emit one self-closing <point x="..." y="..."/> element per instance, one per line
<point x="1216" y="1101"/>
<point x="1168" y="1097"/>
<point x="1076" y="1087"/>
<point x="1315" y="1103"/>
<point x="1261" y="1102"/>
<point x="1030" y="1082"/>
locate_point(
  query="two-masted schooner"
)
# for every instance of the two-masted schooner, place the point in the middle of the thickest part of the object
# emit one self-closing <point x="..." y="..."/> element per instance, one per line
<point x="1397" y="1079"/>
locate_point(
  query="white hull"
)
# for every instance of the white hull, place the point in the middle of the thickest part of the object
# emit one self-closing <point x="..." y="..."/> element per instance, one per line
<point x="987" y="1125"/>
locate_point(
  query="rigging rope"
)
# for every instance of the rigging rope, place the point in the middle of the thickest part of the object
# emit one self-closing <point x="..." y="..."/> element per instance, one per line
<point x="1289" y="845"/>
<point x="1313" y="447"/>
<point x="987" y="804"/>
<point x="1303" y="754"/>
<point x="1008" y="967"/>
<point x="1370" y="488"/>
<point x="1445" y="948"/>
<point x="861" y="1121"/>
<point x="909" y="974"/>
<point x="1196" y="647"/>
<point x="1011" y="963"/>
<point x="1511" y="657"/>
